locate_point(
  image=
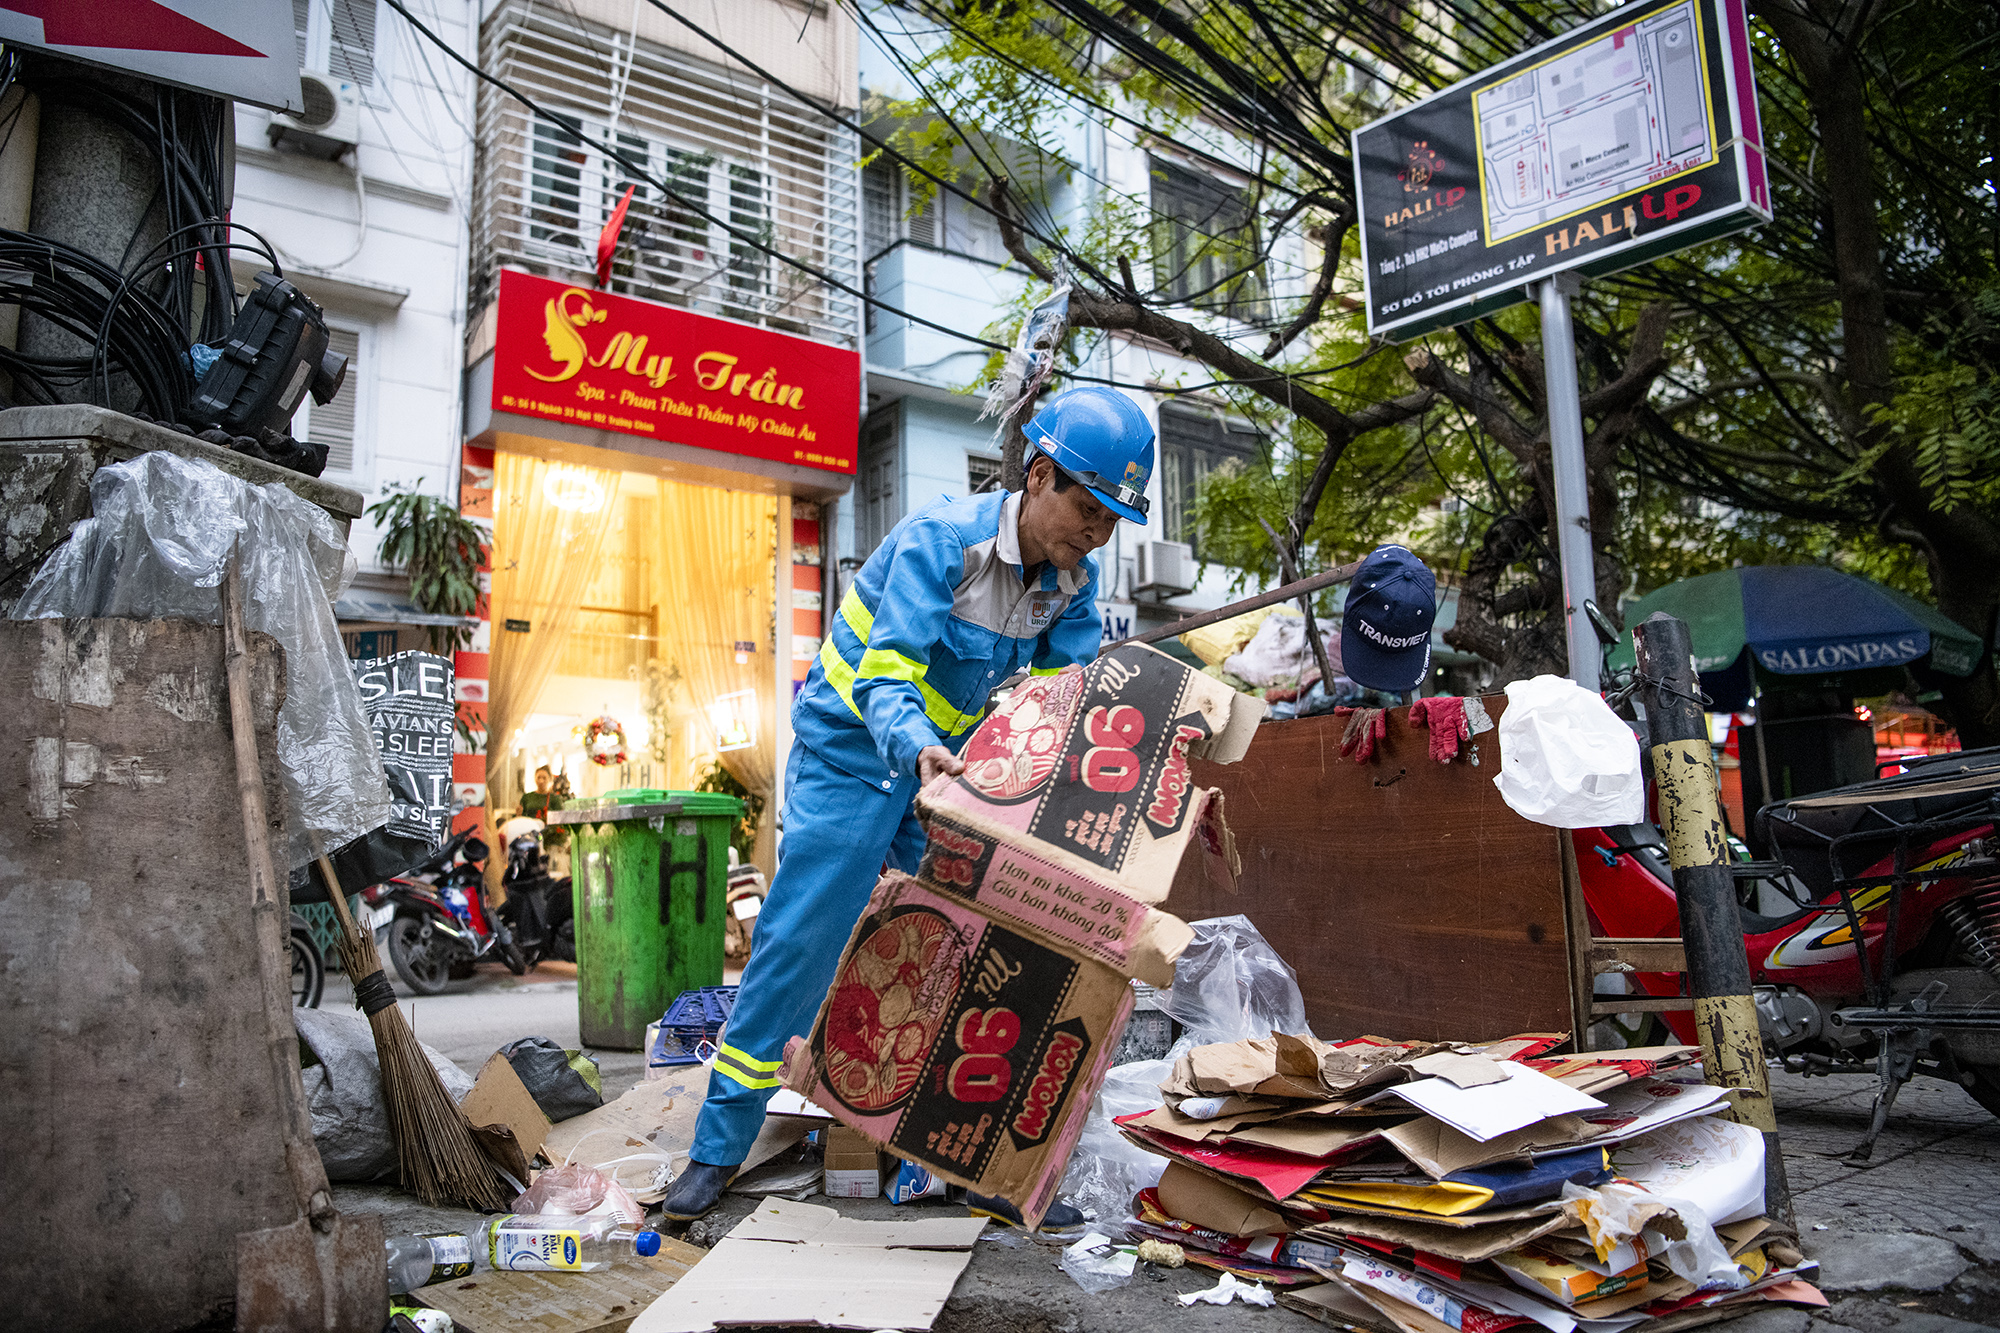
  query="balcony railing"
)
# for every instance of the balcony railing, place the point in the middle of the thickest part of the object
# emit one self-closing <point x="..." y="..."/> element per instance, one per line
<point x="747" y="168"/>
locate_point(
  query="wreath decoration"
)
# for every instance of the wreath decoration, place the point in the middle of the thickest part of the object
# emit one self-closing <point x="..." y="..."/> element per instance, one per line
<point x="604" y="742"/>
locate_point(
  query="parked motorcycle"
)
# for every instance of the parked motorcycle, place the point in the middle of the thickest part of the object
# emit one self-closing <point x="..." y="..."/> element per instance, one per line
<point x="743" y="896"/>
<point x="1907" y="865"/>
<point x="540" y="908"/>
<point x="434" y="921"/>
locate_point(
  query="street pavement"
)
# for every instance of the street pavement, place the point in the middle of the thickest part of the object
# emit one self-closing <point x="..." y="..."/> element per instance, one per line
<point x="1910" y="1243"/>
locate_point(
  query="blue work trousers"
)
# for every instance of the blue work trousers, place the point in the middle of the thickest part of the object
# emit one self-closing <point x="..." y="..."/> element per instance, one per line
<point x="838" y="832"/>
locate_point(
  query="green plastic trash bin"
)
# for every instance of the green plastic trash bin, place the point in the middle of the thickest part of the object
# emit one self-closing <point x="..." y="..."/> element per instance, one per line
<point x="648" y="869"/>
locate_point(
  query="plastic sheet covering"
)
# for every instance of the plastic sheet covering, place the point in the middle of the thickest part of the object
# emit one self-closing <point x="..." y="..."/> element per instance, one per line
<point x="158" y="547"/>
<point x="1106" y="1170"/>
<point x="1231" y="984"/>
<point x="343" y="1085"/>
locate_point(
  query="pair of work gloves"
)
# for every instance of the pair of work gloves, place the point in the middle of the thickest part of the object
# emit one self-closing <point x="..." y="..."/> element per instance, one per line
<point x="1443" y="715"/>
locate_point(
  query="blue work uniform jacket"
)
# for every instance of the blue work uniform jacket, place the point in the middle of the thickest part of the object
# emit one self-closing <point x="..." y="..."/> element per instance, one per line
<point x="937" y="617"/>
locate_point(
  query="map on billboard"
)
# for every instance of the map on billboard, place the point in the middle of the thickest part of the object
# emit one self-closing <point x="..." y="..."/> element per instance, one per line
<point x="1594" y="123"/>
<point x="1630" y="137"/>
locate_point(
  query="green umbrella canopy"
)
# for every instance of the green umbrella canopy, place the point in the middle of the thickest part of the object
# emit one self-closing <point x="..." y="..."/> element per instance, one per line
<point x="1804" y="620"/>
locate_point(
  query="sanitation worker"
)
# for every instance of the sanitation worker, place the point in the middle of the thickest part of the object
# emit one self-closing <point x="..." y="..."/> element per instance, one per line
<point x="961" y="595"/>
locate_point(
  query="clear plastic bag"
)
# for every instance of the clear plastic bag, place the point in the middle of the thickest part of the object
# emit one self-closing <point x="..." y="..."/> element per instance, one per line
<point x="158" y="546"/>
<point x="1567" y="760"/>
<point x="1615" y="1213"/>
<point x="1231" y="984"/>
<point x="573" y="1189"/>
<point x="1099" y="1264"/>
<point x="1105" y="1170"/>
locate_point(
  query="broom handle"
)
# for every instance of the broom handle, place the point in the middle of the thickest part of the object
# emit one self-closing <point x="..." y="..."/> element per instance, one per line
<point x="302" y="1159"/>
<point x="350" y="930"/>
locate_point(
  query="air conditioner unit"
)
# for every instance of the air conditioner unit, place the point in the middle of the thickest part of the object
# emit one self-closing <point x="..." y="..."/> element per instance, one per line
<point x="331" y="121"/>
<point x="1165" y="569"/>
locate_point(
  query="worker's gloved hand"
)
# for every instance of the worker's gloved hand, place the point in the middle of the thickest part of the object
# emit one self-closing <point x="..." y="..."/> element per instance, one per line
<point x="935" y="759"/>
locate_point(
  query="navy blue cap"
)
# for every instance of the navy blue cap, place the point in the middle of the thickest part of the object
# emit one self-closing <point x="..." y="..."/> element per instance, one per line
<point x="1385" y="633"/>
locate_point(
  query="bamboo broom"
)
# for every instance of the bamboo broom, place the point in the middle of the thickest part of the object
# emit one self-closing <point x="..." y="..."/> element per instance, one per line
<point x="439" y="1159"/>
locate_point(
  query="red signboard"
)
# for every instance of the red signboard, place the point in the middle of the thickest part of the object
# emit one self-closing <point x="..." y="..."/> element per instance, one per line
<point x="640" y="368"/>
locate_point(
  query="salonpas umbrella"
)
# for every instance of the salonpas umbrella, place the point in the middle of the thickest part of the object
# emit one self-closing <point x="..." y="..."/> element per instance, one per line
<point x="1802" y="621"/>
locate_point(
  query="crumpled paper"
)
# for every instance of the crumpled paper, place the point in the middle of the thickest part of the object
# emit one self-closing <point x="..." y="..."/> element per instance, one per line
<point x="1229" y="1289"/>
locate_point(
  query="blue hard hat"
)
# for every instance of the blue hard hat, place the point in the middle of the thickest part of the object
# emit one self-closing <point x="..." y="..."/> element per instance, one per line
<point x="1101" y="438"/>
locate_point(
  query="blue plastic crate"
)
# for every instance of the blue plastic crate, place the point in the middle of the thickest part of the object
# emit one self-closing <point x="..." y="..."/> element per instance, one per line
<point x="694" y="1020"/>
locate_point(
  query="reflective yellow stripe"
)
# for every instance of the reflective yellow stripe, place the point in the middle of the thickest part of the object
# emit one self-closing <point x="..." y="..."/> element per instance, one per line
<point x="762" y="1066"/>
<point x="727" y="1058"/>
<point x="838" y="673"/>
<point x="1043" y="671"/>
<point x="886" y="662"/>
<point x="724" y="1067"/>
<point x="857" y="615"/>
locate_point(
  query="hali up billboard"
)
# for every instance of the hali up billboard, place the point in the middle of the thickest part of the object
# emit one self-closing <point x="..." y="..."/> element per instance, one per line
<point x="1633" y="136"/>
<point x="610" y="362"/>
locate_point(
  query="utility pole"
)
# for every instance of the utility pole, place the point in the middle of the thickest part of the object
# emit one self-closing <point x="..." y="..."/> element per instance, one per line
<point x="1718" y="970"/>
<point x="1572" y="482"/>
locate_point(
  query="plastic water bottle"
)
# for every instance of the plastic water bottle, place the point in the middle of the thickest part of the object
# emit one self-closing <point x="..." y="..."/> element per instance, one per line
<point x="418" y="1261"/>
<point x="518" y="1241"/>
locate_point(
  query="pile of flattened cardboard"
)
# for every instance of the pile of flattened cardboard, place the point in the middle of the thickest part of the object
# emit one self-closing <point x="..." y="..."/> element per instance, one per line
<point x="1468" y="1187"/>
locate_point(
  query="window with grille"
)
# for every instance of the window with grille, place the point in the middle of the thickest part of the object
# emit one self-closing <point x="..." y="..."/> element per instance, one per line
<point x="1206" y="251"/>
<point x="736" y="171"/>
<point x="1193" y="444"/>
<point x="981" y="472"/>
<point x="337" y="36"/>
<point x="332" y="424"/>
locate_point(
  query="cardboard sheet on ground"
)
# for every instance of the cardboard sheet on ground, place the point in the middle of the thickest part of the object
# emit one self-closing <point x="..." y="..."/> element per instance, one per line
<point x="658" y="1115"/>
<point x="509" y="1124"/>
<point x="605" y="1301"/>
<point x="801" y="1264"/>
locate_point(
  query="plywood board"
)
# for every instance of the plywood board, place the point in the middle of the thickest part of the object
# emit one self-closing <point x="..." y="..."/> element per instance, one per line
<point x="602" y="1302"/>
<point x="1411" y="900"/>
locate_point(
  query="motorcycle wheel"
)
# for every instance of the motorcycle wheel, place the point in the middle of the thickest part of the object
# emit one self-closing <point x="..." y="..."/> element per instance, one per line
<point x="308" y="971"/>
<point x="517" y="962"/>
<point x="421" y="963"/>
<point x="565" y="946"/>
<point x="1985" y="1087"/>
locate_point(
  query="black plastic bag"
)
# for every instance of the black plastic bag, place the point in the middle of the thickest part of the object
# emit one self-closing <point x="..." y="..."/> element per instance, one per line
<point x="563" y="1083"/>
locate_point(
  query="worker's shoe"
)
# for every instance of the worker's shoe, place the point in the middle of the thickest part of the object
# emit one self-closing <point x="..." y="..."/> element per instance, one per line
<point x="1059" y="1217"/>
<point x="695" y="1191"/>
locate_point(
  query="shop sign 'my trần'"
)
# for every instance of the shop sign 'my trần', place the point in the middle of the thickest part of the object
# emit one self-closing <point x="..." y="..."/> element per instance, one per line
<point x="610" y="362"/>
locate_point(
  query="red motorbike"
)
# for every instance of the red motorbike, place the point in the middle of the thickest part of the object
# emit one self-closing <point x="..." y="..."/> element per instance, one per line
<point x="1907" y="866"/>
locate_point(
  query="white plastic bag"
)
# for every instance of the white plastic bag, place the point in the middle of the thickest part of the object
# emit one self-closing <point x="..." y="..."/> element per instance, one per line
<point x="1567" y="760"/>
<point x="1277" y="653"/>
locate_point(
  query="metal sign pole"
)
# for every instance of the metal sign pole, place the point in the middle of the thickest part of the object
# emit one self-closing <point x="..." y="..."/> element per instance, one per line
<point x="1572" y="525"/>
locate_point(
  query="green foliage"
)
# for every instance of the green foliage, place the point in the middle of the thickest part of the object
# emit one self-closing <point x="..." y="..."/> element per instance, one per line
<point x="716" y="778"/>
<point x="438" y="547"/>
<point x="1947" y="408"/>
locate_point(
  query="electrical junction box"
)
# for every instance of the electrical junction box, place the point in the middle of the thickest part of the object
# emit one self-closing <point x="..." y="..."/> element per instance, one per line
<point x="330" y="124"/>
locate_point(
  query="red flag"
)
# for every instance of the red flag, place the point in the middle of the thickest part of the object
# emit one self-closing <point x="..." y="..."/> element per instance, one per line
<point x="607" y="241"/>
